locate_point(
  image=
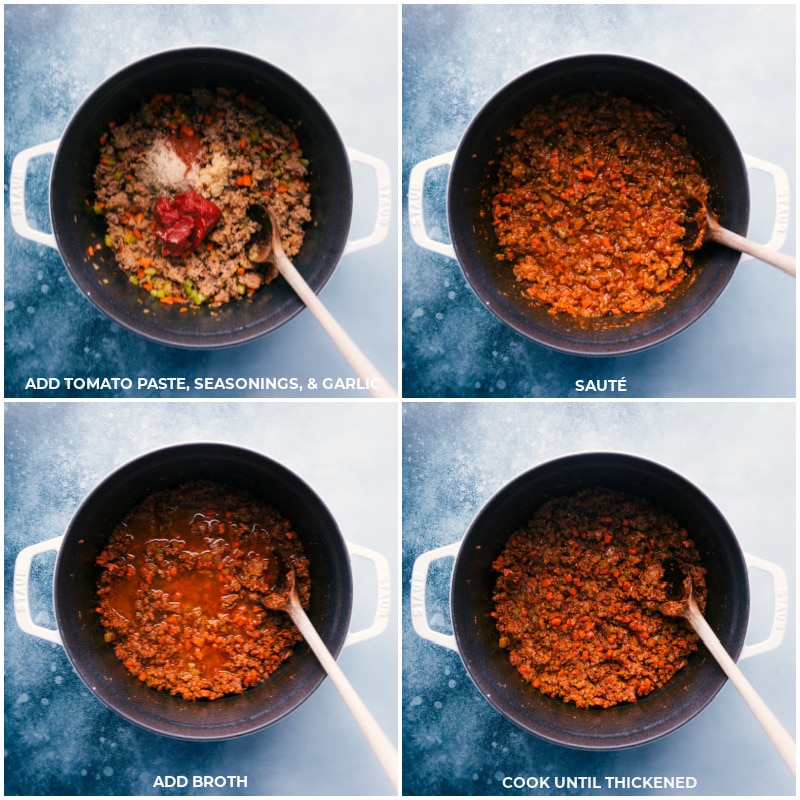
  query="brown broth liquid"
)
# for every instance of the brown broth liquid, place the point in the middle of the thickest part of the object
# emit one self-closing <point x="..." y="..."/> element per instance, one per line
<point x="181" y="590"/>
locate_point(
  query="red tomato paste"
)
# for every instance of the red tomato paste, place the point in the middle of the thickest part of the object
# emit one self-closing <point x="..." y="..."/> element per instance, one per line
<point x="184" y="222"/>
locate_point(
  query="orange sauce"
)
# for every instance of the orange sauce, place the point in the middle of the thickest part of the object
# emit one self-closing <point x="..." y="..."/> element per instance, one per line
<point x="183" y="581"/>
<point x="591" y="206"/>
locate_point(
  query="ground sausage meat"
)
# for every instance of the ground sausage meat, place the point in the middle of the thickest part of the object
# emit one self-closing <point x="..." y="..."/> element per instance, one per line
<point x="590" y="204"/>
<point x="182" y="587"/>
<point x="175" y="183"/>
<point x="578" y="595"/>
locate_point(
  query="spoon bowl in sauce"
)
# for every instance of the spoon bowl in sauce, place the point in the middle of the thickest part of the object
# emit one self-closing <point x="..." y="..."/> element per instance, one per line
<point x="702" y="226"/>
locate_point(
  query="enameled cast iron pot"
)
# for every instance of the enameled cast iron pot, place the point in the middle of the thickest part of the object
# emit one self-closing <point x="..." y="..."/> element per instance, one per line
<point x="75" y="578"/>
<point x="475" y="635"/>
<point x="472" y="177"/>
<point x="75" y="226"/>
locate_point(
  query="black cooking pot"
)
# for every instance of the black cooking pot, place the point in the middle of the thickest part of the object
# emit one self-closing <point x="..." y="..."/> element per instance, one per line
<point x="663" y="710"/>
<point x="75" y="226"/>
<point x="76" y="574"/>
<point x="473" y="177"/>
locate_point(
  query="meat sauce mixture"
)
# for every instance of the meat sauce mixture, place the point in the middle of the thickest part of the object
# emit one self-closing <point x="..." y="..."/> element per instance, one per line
<point x="182" y="586"/>
<point x="175" y="182"/>
<point x="590" y="204"/>
<point x="578" y="594"/>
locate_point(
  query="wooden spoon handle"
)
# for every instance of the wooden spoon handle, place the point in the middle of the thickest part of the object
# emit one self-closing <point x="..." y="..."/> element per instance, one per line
<point x="378" y="741"/>
<point x="376" y="384"/>
<point x="774" y="729"/>
<point x="736" y="242"/>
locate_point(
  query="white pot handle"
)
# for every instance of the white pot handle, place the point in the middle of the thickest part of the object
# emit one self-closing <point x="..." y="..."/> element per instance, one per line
<point x="22" y="607"/>
<point x="419" y="612"/>
<point x="780" y="183"/>
<point x="19" y="218"/>
<point x="780" y="607"/>
<point x="384" y="214"/>
<point x="419" y="583"/>
<point x="416" y="214"/>
<point x="16" y="192"/>
<point x="383" y="604"/>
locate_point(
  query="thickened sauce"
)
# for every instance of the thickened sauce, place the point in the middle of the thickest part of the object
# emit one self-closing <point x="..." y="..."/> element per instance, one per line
<point x="579" y="597"/>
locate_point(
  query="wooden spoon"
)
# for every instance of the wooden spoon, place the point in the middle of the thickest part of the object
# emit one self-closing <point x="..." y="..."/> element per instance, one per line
<point x="684" y="605"/>
<point x="702" y="226"/>
<point x="284" y="597"/>
<point x="268" y="247"/>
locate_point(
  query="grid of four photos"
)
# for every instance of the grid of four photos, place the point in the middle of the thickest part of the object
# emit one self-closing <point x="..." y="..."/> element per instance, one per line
<point x="377" y="323"/>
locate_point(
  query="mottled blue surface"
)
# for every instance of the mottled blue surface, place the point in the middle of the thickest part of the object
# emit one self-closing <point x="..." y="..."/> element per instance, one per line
<point x="59" y="739"/>
<point x="346" y="56"/>
<point x="456" y="456"/>
<point x="455" y="57"/>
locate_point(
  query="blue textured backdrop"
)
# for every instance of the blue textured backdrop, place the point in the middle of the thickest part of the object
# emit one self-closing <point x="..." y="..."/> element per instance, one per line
<point x="59" y="739"/>
<point x="457" y="455"/>
<point x="455" y="57"/>
<point x="346" y="56"/>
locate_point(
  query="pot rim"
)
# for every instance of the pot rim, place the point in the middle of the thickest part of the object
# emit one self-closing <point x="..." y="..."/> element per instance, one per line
<point x="250" y="711"/>
<point x="561" y="332"/>
<point x="553" y="722"/>
<point x="232" y="324"/>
